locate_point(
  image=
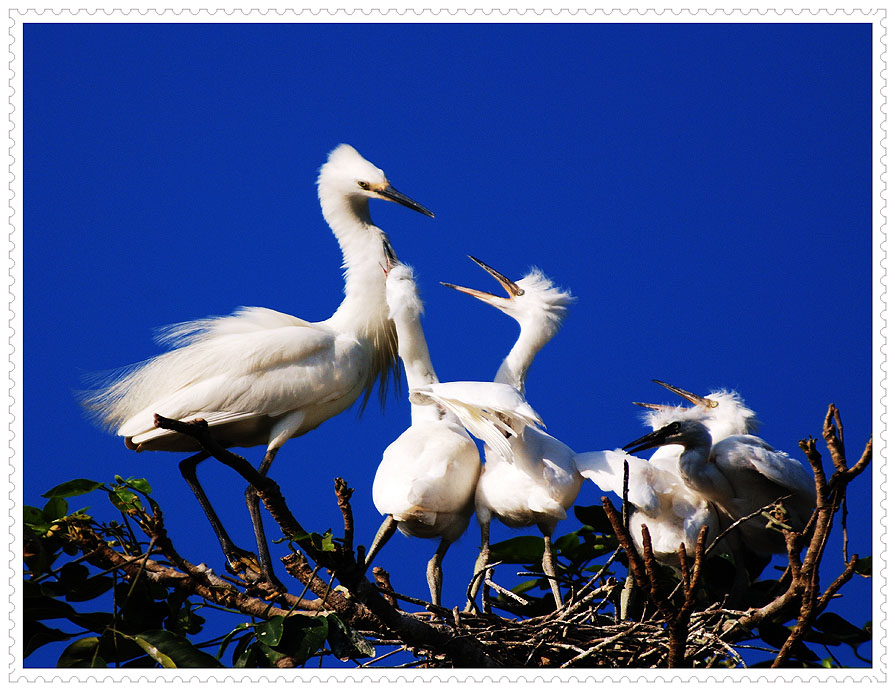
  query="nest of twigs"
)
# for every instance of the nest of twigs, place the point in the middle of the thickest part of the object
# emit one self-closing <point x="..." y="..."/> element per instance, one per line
<point x="646" y="621"/>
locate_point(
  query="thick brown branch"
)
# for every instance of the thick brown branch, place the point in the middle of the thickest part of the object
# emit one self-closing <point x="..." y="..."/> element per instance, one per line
<point x="352" y="612"/>
<point x="207" y="586"/>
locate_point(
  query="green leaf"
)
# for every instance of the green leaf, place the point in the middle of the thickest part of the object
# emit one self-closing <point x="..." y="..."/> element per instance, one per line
<point x="272" y="656"/>
<point x="229" y="637"/>
<point x="322" y="543"/>
<point x="594" y="517"/>
<point x="72" y="488"/>
<point x="182" y="618"/>
<point x="124" y="500"/>
<point x="55" y="509"/>
<point x="245" y="655"/>
<point x="525" y="549"/>
<point x="525" y="586"/>
<point x="345" y="642"/>
<point x="567" y="544"/>
<point x="139" y="484"/>
<point x="90" y="589"/>
<point x="270" y="632"/>
<point x="37" y="634"/>
<point x="841" y="630"/>
<point x="37" y="605"/>
<point x="303" y="636"/>
<point x="34" y="519"/>
<point x="82" y="653"/>
<point x="864" y="566"/>
<point x="153" y="652"/>
<point x="171" y="650"/>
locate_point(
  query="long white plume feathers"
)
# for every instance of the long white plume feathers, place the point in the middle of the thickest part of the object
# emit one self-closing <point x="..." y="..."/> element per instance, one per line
<point x="490" y="411"/>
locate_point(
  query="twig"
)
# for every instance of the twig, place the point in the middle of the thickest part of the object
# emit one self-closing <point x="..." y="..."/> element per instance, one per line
<point x="368" y="663"/>
<point x="509" y="593"/>
<point x="720" y="536"/>
<point x="343" y="499"/>
<point x="381" y="576"/>
<point x="836" y="585"/>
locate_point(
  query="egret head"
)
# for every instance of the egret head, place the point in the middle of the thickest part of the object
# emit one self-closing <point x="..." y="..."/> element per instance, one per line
<point x="349" y="175"/>
<point x="400" y="292"/>
<point x="722" y="411"/>
<point x="686" y="432"/>
<point x="532" y="299"/>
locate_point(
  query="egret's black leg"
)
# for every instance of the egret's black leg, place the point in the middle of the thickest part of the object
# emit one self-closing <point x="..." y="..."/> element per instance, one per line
<point x="236" y="557"/>
<point x="253" y="502"/>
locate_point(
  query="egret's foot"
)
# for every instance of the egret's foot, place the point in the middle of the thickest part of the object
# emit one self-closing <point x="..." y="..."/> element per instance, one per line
<point x="266" y="587"/>
<point x="244" y="564"/>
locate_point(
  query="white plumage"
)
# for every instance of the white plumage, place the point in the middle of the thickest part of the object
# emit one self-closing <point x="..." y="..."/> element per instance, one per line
<point x="491" y="411"/>
<point x="262" y="377"/>
<point x="660" y="500"/>
<point x="538" y="482"/>
<point x="739" y="474"/>
<point x="426" y="481"/>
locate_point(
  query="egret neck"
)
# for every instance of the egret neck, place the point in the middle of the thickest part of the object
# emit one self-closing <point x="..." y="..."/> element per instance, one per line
<point x="363" y="312"/>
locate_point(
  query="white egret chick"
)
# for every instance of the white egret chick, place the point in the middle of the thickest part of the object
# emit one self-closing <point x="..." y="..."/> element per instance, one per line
<point x="425" y="484"/>
<point x="660" y="499"/>
<point x="679" y="512"/>
<point x="539" y="482"/>
<point x="261" y="377"/>
<point x="740" y="474"/>
<point x="723" y="412"/>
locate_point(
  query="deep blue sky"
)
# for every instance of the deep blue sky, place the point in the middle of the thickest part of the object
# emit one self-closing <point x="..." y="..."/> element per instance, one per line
<point x="705" y="191"/>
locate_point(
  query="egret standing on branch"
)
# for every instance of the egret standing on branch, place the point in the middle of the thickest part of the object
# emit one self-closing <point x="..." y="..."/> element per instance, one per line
<point x="260" y="376"/>
<point x="425" y="484"/>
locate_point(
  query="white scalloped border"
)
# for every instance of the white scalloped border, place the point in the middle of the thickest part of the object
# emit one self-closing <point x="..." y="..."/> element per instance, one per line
<point x="495" y="14"/>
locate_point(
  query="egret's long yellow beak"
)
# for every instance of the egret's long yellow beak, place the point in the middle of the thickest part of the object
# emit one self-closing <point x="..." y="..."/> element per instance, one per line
<point x="513" y="290"/>
<point x="692" y="397"/>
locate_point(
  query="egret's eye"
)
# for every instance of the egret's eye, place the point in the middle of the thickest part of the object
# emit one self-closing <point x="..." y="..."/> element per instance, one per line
<point x="363" y="185"/>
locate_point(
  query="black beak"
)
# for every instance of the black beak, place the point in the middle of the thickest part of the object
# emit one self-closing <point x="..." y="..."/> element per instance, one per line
<point x="647" y="441"/>
<point x="390" y="193"/>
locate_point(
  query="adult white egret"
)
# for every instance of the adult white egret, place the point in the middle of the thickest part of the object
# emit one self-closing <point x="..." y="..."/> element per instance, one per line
<point x="538" y="482"/>
<point x="740" y="474"/>
<point x="425" y="484"/>
<point x="262" y="377"/>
